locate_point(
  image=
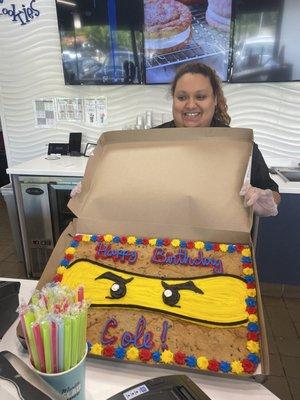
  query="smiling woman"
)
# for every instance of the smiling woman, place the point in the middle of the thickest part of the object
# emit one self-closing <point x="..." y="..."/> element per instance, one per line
<point x="199" y="102"/>
<point x="198" y="98"/>
<point x="194" y="101"/>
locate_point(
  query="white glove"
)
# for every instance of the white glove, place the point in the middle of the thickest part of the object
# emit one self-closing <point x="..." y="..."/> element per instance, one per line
<point x="76" y="189"/>
<point x="262" y="200"/>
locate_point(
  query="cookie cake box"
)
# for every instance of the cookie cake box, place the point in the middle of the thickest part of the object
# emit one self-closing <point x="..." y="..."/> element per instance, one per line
<point x="162" y="246"/>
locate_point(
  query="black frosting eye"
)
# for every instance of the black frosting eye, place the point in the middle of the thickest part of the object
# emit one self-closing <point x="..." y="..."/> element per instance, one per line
<point x="171" y="296"/>
<point x="117" y="290"/>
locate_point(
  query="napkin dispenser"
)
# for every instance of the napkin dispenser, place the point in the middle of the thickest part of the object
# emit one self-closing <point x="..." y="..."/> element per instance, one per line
<point x="171" y="387"/>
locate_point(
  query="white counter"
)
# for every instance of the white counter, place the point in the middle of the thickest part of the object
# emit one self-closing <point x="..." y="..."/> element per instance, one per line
<point x="75" y="166"/>
<point x="105" y="378"/>
<point x="286" y="187"/>
<point x="64" y="166"/>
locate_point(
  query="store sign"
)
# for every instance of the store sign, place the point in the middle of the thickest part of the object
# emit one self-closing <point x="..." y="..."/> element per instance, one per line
<point x="22" y="15"/>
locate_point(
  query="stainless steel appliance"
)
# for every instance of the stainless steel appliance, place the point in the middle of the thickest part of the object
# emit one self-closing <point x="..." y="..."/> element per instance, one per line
<point x="43" y="214"/>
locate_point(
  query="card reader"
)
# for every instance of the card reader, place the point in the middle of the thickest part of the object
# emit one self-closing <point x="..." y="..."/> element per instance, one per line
<point x="171" y="387"/>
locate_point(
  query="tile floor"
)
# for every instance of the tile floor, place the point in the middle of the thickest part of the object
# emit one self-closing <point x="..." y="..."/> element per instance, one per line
<point x="282" y="316"/>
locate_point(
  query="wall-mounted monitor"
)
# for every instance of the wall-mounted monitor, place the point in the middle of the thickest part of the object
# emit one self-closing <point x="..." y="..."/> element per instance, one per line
<point x="266" y="41"/>
<point x="186" y="30"/>
<point x="144" y="41"/>
<point x="101" y="41"/>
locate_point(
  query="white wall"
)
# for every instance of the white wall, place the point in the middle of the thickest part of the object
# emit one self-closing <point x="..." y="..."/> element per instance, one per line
<point x="31" y="68"/>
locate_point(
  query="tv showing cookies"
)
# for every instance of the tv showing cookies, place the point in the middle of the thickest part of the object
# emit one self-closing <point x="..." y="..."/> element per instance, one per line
<point x="177" y="31"/>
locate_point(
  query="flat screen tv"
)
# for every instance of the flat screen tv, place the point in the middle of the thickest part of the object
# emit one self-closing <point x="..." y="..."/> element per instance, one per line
<point x="265" y="44"/>
<point x="186" y="30"/>
<point x="101" y="41"/>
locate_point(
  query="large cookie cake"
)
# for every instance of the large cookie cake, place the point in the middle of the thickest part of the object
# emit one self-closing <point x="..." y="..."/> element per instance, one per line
<point x="167" y="301"/>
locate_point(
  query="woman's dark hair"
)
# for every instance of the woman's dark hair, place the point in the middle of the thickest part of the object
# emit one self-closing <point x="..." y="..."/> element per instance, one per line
<point x="216" y="83"/>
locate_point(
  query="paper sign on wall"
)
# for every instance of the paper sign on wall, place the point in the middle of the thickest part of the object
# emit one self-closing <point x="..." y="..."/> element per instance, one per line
<point x="95" y="111"/>
<point x="44" y="113"/>
<point x="69" y="109"/>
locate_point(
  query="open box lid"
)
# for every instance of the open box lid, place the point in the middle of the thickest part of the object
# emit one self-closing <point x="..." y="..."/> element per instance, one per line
<point x="178" y="182"/>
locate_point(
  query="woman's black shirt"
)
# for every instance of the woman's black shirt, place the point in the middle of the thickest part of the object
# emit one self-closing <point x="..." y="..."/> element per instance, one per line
<point x="260" y="177"/>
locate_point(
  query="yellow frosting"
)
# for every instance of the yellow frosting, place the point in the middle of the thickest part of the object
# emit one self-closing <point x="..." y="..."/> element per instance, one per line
<point x="251" y="292"/>
<point x="108" y="238"/>
<point x="132" y="354"/>
<point x="221" y="303"/>
<point x="252" y="346"/>
<point x="167" y="357"/>
<point x="70" y="250"/>
<point x="202" y="362"/>
<point x="223" y="247"/>
<point x="246" y="252"/>
<point x="61" y="270"/>
<point x="248" y="271"/>
<point x="237" y="367"/>
<point x="96" y="349"/>
<point x="152" y="242"/>
<point x="86" y="238"/>
<point x="253" y="318"/>
<point x="175" y="242"/>
<point x="199" y="245"/>
<point x="131" y="239"/>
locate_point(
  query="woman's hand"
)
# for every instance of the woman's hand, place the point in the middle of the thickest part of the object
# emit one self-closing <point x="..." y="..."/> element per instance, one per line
<point x="263" y="202"/>
<point x="76" y="189"/>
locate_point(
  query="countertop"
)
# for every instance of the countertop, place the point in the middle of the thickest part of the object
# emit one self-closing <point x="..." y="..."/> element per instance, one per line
<point x="75" y="166"/>
<point x="106" y="378"/>
<point x="286" y="187"/>
<point x="41" y="166"/>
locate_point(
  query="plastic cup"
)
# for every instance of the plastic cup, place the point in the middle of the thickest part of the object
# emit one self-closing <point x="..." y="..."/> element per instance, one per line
<point x="70" y="383"/>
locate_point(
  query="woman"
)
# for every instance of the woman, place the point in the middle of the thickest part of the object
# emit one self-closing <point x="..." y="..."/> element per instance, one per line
<point x="198" y="101"/>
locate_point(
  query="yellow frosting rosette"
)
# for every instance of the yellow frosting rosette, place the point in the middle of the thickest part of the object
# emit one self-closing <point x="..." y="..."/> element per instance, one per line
<point x="175" y="242"/>
<point x="224" y="247"/>
<point x="202" y="362"/>
<point x="61" y="270"/>
<point x="167" y="357"/>
<point x="199" y="245"/>
<point x="248" y="271"/>
<point x="252" y="346"/>
<point x="131" y="239"/>
<point x="253" y="318"/>
<point x="132" y="354"/>
<point x="237" y="367"/>
<point x="246" y="252"/>
<point x="152" y="242"/>
<point x="96" y="349"/>
<point x="108" y="238"/>
<point x="70" y="250"/>
<point x="251" y="292"/>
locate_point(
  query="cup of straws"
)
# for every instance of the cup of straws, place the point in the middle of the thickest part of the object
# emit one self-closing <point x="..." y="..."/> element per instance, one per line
<point x="54" y="327"/>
